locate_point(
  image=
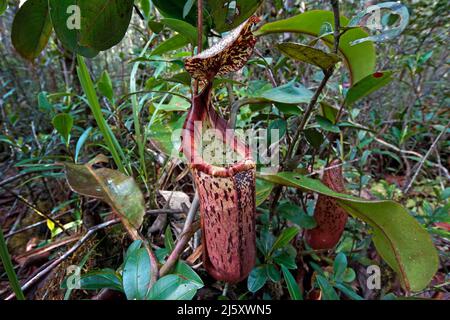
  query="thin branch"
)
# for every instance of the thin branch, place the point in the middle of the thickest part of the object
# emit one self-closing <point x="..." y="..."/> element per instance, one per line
<point x="307" y="114"/>
<point x="199" y="26"/>
<point x="179" y="248"/>
<point x="66" y="255"/>
<point x="424" y="158"/>
<point x="192" y="211"/>
<point x="337" y="24"/>
<point x="14" y="178"/>
<point x="412" y="153"/>
<point x="37" y="210"/>
<point x="188" y="231"/>
<point x="199" y="36"/>
<point x="138" y="11"/>
<point x="331" y="167"/>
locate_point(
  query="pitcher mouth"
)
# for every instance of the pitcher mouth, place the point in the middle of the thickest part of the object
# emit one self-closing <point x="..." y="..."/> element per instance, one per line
<point x="202" y="110"/>
<point x="224" y="172"/>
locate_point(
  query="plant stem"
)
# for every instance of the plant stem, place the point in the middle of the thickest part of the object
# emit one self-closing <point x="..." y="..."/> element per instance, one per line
<point x="337" y="24"/>
<point x="178" y="250"/>
<point x="307" y="115"/>
<point x="424" y="158"/>
<point x="9" y="268"/>
<point x="135" y="235"/>
<point x="199" y="35"/>
<point x="191" y="214"/>
<point x="199" y="26"/>
<point x="327" y="75"/>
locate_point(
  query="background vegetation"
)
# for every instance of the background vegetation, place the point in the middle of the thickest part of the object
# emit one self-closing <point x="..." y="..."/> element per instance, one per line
<point x="397" y="148"/>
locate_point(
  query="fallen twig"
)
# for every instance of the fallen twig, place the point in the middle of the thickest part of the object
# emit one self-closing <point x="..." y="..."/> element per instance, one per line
<point x="153" y="213"/>
<point x="76" y="246"/>
<point x="14" y="178"/>
<point x="35" y="209"/>
<point x="66" y="255"/>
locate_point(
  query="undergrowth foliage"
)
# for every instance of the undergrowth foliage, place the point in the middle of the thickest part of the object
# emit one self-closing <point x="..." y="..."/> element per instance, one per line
<point x="178" y="150"/>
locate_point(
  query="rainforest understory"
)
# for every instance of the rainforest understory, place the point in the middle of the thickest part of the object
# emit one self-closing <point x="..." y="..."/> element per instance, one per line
<point x="224" y="150"/>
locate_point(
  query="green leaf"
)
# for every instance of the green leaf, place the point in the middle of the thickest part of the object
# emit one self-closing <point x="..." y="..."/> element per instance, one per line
<point x="94" y="104"/>
<point x="176" y="42"/>
<point x="349" y="275"/>
<point x="366" y="86"/>
<point x="182" y="77"/>
<point x="295" y="214"/>
<point x="361" y="58"/>
<point x="265" y="241"/>
<point x="187" y="7"/>
<point x="113" y="187"/>
<point x="399" y="239"/>
<point x="314" y="137"/>
<point x="133" y="248"/>
<point x="227" y="18"/>
<point x="175" y="9"/>
<point x="176" y="104"/>
<point x="31" y="28"/>
<point x="105" y="86"/>
<point x="3" y="6"/>
<point x="424" y="58"/>
<point x="168" y="239"/>
<point x="284" y="238"/>
<point x="328" y="111"/>
<point x="340" y="265"/>
<point x="80" y="143"/>
<point x="183" y="28"/>
<point x="63" y="123"/>
<point x="136" y="274"/>
<point x="286" y="257"/>
<point x="328" y="292"/>
<point x="172" y="287"/>
<point x="145" y="7"/>
<point x="218" y="14"/>
<point x="99" y="279"/>
<point x="43" y="103"/>
<point x="294" y="290"/>
<point x="263" y="191"/>
<point x="155" y="26"/>
<point x="162" y="135"/>
<point x="272" y="272"/>
<point x="348" y="291"/>
<point x="96" y="26"/>
<point x="186" y="272"/>
<point x="257" y="279"/>
<point x="445" y="194"/>
<point x="5" y="258"/>
<point x="279" y="126"/>
<point x="290" y="93"/>
<point x="327" y="125"/>
<point x="309" y="55"/>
